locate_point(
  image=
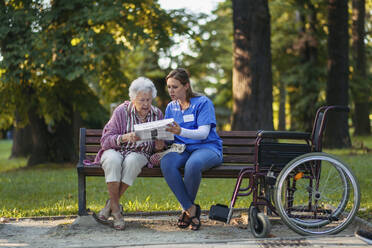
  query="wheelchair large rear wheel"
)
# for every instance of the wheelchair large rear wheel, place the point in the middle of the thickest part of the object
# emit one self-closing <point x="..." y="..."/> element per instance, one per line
<point x="316" y="193"/>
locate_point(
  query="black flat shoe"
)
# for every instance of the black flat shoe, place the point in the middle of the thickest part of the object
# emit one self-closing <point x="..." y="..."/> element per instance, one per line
<point x="196" y="226"/>
<point x="183" y="221"/>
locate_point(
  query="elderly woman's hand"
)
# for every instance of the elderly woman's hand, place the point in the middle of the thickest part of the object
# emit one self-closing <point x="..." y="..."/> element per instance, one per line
<point x="173" y="128"/>
<point x="129" y="137"/>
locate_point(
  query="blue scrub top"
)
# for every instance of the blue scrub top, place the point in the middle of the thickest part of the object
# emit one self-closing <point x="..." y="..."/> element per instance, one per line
<point x="200" y="112"/>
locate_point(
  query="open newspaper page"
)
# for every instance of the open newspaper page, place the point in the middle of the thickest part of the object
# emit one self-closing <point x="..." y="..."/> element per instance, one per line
<point x="154" y="130"/>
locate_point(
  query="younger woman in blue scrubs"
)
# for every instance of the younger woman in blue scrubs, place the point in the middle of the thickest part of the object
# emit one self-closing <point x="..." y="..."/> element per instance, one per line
<point x="195" y="126"/>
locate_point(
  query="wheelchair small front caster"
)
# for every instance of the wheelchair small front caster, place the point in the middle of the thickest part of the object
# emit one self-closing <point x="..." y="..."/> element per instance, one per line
<point x="259" y="223"/>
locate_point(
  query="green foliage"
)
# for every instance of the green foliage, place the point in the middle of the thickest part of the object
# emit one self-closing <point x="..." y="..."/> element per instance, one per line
<point x="60" y="57"/>
<point x="298" y="41"/>
<point x="16" y="38"/>
<point x="210" y="63"/>
<point x="360" y="87"/>
<point x="54" y="55"/>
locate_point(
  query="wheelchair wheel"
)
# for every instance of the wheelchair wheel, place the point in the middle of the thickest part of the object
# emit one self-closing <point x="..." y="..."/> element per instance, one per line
<point x="259" y="223"/>
<point x="316" y="193"/>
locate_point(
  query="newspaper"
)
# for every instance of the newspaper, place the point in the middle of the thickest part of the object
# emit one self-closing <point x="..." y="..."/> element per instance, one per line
<point x="154" y="130"/>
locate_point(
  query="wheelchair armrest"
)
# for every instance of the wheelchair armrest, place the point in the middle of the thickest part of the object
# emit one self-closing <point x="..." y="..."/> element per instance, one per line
<point x="284" y="135"/>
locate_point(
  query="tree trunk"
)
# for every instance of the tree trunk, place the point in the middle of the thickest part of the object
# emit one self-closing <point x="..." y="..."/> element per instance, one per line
<point x="39" y="136"/>
<point x="22" y="142"/>
<point x="252" y="76"/>
<point x="282" y="101"/>
<point x="62" y="143"/>
<point x="361" y="118"/>
<point x="359" y="91"/>
<point x="77" y="124"/>
<point x="337" y="133"/>
<point x="57" y="144"/>
<point x="53" y="143"/>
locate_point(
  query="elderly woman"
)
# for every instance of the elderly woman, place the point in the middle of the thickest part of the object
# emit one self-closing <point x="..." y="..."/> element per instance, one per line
<point x="122" y="158"/>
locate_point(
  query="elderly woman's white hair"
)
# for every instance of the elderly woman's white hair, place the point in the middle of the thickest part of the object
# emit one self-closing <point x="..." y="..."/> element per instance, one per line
<point x="141" y="84"/>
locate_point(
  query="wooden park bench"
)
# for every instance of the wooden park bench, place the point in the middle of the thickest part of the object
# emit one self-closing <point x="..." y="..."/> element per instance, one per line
<point x="238" y="153"/>
<point x="244" y="152"/>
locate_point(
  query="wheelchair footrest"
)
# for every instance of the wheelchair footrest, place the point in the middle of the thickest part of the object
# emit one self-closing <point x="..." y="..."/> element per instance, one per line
<point x="219" y="212"/>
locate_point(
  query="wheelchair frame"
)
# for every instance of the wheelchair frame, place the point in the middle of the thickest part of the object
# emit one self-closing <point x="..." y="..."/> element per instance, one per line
<point x="282" y="169"/>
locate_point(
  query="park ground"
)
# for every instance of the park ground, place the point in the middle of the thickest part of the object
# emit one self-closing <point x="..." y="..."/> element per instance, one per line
<point x="161" y="231"/>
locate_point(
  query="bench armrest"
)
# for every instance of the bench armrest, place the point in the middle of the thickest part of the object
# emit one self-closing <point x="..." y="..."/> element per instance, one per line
<point x="284" y="135"/>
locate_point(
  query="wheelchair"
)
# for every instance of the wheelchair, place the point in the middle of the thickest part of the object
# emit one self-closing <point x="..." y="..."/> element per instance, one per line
<point x="313" y="193"/>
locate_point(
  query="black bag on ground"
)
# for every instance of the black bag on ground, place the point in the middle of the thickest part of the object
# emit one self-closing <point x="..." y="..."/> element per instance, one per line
<point x="219" y="212"/>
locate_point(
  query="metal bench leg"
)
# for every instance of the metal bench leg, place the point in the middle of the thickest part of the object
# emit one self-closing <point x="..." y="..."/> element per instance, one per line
<point x="82" y="194"/>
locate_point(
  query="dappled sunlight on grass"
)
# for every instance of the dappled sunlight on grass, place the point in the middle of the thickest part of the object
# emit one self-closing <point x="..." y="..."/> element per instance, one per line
<point x="360" y="145"/>
<point x="7" y="164"/>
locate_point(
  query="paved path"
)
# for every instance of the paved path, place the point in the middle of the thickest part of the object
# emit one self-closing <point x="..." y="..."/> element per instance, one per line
<point x="327" y="241"/>
<point x="160" y="231"/>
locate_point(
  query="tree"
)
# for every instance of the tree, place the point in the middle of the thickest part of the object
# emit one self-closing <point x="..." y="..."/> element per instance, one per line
<point x="299" y="59"/>
<point x="59" y="58"/>
<point x="16" y="38"/>
<point x="307" y="46"/>
<point x="360" y="85"/>
<point x="337" y="133"/>
<point x="210" y="61"/>
<point x="252" y="78"/>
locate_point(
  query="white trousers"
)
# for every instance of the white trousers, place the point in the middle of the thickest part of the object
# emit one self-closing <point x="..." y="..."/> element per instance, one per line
<point x="117" y="170"/>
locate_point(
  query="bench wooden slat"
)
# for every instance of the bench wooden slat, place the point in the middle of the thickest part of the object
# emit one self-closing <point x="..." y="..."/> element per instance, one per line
<point x="226" y="150"/>
<point x="222" y="134"/>
<point x="238" y="142"/>
<point x="222" y="171"/>
<point x="238" y="150"/>
<point x="227" y="159"/>
<point x="239" y="159"/>
<point x="93" y="136"/>
<point x="92" y="148"/>
<point x="93" y="132"/>
<point x="242" y="134"/>
<point x="93" y="140"/>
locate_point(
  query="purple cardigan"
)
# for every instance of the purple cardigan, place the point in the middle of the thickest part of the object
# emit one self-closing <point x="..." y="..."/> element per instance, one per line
<point x="117" y="125"/>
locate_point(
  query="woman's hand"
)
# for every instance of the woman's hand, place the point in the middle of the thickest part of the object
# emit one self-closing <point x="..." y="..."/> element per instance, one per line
<point x="159" y="145"/>
<point x="173" y="128"/>
<point x="129" y="137"/>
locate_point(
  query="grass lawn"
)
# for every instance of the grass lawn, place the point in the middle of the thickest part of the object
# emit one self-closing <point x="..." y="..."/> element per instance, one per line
<point x="51" y="189"/>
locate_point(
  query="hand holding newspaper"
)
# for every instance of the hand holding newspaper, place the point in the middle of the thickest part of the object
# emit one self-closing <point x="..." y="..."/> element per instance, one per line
<point x="154" y="130"/>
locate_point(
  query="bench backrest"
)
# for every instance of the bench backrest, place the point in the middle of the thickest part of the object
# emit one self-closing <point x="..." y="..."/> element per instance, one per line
<point x="238" y="146"/>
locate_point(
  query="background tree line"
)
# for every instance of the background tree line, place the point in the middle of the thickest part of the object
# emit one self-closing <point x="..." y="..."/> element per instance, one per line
<point x="261" y="62"/>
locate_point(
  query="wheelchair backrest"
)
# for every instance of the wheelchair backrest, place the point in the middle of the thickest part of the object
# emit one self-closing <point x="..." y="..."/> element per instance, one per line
<point x="320" y="124"/>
